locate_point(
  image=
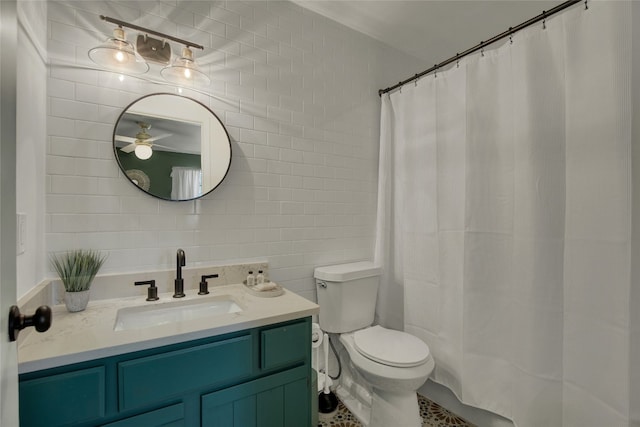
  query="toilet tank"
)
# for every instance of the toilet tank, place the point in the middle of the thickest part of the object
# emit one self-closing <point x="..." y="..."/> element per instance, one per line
<point x="347" y="295"/>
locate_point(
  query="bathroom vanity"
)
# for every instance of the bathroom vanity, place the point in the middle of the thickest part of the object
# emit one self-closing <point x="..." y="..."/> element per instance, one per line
<point x="250" y="367"/>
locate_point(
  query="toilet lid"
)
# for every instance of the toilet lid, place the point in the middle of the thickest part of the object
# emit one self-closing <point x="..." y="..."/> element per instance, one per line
<point x="389" y="347"/>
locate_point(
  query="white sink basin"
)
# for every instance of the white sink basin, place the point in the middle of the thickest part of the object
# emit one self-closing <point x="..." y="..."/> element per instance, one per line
<point x="145" y="316"/>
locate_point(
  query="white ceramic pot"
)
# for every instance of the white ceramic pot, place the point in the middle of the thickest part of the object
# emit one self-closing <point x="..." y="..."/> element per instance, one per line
<point x="76" y="301"/>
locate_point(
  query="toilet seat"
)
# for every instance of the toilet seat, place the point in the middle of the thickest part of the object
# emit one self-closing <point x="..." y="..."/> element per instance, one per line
<point x="389" y="347"/>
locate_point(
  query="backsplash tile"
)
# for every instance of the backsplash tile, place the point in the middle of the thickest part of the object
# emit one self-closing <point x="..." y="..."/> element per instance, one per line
<point x="119" y="285"/>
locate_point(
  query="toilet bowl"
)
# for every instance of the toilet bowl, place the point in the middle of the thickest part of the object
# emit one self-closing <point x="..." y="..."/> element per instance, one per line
<point x="395" y="366"/>
<point x="392" y="364"/>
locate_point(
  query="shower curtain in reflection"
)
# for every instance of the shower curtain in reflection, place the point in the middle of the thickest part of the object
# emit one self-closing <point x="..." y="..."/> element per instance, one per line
<point x="504" y="218"/>
<point x="186" y="183"/>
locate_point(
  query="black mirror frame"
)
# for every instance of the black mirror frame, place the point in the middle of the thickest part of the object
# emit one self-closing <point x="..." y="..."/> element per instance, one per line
<point x="124" y="172"/>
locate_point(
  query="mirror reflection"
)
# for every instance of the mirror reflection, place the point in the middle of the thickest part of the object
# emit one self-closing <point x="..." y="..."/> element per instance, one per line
<point x="172" y="147"/>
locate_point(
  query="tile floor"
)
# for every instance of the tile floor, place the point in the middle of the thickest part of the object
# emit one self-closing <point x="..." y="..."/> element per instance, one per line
<point x="433" y="415"/>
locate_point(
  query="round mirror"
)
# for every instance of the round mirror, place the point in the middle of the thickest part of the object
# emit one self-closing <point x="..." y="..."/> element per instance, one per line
<point x="172" y="147"/>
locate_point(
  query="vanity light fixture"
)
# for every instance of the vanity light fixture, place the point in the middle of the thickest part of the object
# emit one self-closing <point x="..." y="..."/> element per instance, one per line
<point x="117" y="51"/>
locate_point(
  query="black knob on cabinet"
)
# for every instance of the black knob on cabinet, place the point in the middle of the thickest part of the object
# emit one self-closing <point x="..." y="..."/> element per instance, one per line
<point x="41" y="320"/>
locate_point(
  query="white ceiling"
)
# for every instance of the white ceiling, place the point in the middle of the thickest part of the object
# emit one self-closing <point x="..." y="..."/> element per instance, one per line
<point x="431" y="30"/>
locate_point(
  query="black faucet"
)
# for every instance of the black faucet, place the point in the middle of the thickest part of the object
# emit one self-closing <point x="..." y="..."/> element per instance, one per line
<point x="179" y="282"/>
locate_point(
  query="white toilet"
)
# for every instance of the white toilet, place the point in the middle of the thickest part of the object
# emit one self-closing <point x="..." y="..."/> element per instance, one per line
<point x="393" y="364"/>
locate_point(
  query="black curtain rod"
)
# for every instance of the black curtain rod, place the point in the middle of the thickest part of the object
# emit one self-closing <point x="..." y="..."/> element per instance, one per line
<point x="544" y="15"/>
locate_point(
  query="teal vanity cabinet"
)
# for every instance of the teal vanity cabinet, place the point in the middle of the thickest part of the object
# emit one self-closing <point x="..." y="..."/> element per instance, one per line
<point x="256" y="377"/>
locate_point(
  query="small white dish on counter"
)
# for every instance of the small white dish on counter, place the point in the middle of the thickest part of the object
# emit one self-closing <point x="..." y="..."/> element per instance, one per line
<point x="265" y="290"/>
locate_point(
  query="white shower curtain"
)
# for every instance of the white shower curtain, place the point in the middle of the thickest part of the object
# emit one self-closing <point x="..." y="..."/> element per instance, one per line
<point x="504" y="218"/>
<point x="186" y="183"/>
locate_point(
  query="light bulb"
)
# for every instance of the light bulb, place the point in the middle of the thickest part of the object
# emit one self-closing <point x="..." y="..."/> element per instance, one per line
<point x="187" y="73"/>
<point x="143" y="152"/>
<point x="120" y="56"/>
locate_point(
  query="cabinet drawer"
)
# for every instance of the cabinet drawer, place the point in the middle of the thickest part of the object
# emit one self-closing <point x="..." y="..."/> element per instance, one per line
<point x="153" y="378"/>
<point x="63" y="399"/>
<point x="285" y="345"/>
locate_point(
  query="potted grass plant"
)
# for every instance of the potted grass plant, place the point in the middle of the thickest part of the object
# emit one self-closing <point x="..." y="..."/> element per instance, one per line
<point x="76" y="270"/>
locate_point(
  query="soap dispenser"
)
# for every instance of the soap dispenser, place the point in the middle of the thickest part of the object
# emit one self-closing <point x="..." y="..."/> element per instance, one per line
<point x="259" y="278"/>
<point x="251" y="279"/>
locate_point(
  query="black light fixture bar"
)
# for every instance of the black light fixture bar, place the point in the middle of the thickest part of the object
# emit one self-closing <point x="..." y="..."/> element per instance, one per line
<point x="148" y="31"/>
<point x="544" y="15"/>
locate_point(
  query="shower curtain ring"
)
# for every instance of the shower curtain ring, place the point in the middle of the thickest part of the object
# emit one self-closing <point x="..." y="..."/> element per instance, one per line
<point x="435" y="74"/>
<point x="415" y="80"/>
<point x="586" y="4"/>
<point x="510" y="35"/>
<point x="457" y="60"/>
<point x="544" y="20"/>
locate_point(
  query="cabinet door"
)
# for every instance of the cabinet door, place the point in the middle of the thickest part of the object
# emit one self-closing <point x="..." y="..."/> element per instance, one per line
<point x="281" y="400"/>
<point x="63" y="399"/>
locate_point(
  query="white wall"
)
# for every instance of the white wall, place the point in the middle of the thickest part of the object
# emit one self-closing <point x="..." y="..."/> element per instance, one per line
<point x="298" y="95"/>
<point x="31" y="139"/>
<point x="634" y="300"/>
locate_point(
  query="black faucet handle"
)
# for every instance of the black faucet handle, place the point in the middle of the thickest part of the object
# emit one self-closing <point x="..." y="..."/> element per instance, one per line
<point x="204" y="286"/>
<point x="152" y="292"/>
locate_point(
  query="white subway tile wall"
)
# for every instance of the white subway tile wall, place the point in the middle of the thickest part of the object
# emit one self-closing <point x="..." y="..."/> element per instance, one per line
<point x="298" y="95"/>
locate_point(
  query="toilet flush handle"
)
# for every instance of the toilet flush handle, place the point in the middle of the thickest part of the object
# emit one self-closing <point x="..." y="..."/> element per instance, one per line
<point x="322" y="284"/>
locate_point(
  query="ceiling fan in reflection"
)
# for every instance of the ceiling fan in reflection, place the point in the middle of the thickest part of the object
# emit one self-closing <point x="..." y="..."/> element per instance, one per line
<point x="142" y="143"/>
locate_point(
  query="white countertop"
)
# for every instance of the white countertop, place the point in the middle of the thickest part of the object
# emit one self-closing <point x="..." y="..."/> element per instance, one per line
<point x="89" y="334"/>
